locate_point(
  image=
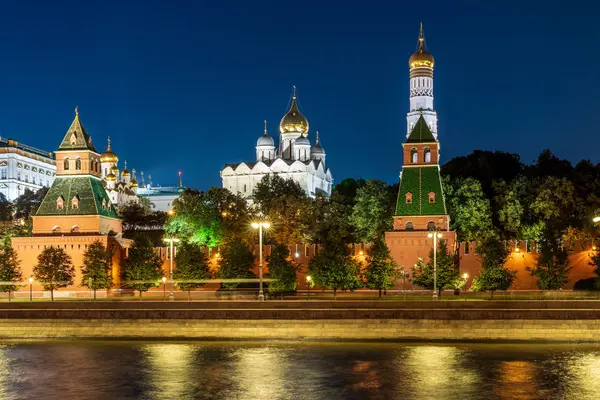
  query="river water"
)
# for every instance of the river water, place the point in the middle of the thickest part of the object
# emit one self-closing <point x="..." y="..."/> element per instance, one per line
<point x="297" y="370"/>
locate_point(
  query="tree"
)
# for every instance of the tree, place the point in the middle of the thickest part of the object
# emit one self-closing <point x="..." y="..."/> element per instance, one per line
<point x="6" y="209"/>
<point x="595" y="262"/>
<point x="447" y="275"/>
<point x="10" y="268"/>
<point x="96" y="271"/>
<point x="282" y="270"/>
<point x="494" y="275"/>
<point x="54" y="269"/>
<point x="469" y="209"/>
<point x="142" y="266"/>
<point x="334" y="268"/>
<point x="381" y="268"/>
<point x="235" y="263"/>
<point x="192" y="267"/>
<point x="372" y="214"/>
<point x="556" y="204"/>
<point x="552" y="269"/>
<point x="27" y="204"/>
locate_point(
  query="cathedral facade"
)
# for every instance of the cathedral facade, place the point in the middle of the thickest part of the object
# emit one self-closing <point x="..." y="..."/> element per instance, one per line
<point x="292" y="158"/>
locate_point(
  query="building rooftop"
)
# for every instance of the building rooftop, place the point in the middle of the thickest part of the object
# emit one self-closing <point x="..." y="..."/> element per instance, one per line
<point x="4" y="142"/>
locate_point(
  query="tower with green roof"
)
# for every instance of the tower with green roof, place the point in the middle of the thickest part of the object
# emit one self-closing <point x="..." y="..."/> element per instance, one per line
<point x="421" y="205"/>
<point x="77" y="202"/>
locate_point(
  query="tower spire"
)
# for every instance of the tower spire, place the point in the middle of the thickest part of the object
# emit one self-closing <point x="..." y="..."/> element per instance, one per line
<point x="421" y="38"/>
<point x="76" y="111"/>
<point x="317" y="142"/>
<point x="265" y="134"/>
<point x="294" y="95"/>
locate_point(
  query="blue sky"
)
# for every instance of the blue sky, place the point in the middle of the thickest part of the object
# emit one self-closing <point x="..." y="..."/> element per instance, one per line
<point x="185" y="85"/>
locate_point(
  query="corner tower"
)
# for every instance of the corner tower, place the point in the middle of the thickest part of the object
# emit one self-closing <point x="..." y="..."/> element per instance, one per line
<point x="420" y="66"/>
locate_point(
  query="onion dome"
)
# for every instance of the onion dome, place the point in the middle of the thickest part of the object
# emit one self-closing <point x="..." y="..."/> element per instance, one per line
<point x="125" y="171"/>
<point x="134" y="183"/>
<point x="317" y="149"/>
<point x="302" y="141"/>
<point x="421" y="58"/>
<point x="108" y="156"/>
<point x="110" y="177"/>
<point x="114" y="170"/>
<point x="294" y="121"/>
<point x="265" y="140"/>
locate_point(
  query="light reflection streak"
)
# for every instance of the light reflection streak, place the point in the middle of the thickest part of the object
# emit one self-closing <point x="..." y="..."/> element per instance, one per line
<point x="169" y="369"/>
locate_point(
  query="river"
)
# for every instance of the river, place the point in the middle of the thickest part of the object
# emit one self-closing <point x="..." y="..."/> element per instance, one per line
<point x="296" y="370"/>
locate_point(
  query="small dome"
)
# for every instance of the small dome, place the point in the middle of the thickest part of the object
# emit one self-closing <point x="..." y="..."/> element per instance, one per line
<point x="134" y="183"/>
<point x="125" y="172"/>
<point x="302" y="141"/>
<point x="265" y="140"/>
<point x="294" y="121"/>
<point x="317" y="149"/>
<point x="421" y="58"/>
<point x="110" y="177"/>
<point x="109" y="156"/>
<point x="114" y="170"/>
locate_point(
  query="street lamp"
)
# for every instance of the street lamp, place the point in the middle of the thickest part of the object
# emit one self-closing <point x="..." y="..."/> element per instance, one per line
<point x="164" y="279"/>
<point x="596" y="219"/>
<point x="30" y="289"/>
<point x="308" y="282"/>
<point x="260" y="226"/>
<point x="171" y="212"/>
<point x="171" y="241"/>
<point x="434" y="236"/>
<point x="465" y="277"/>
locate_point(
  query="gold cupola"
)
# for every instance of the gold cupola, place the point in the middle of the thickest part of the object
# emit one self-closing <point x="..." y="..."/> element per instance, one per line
<point x="125" y="172"/>
<point x="114" y="170"/>
<point x="421" y="58"/>
<point x="110" y="177"/>
<point x="109" y="156"/>
<point x="294" y="121"/>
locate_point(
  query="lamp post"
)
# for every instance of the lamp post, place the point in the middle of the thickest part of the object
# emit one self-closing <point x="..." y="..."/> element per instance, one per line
<point x="171" y="241"/>
<point x="164" y="280"/>
<point x="465" y="277"/>
<point x="308" y="282"/>
<point x="260" y="226"/>
<point x="434" y="236"/>
<point x="30" y="289"/>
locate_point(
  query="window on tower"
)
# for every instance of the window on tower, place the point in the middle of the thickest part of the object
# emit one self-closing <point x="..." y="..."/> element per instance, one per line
<point x="409" y="198"/>
<point x="414" y="157"/>
<point x="409" y="226"/>
<point x="66" y="165"/>
<point x="60" y="203"/>
<point x="431" y="226"/>
<point x="431" y="197"/>
<point x="78" y="163"/>
<point x="427" y="154"/>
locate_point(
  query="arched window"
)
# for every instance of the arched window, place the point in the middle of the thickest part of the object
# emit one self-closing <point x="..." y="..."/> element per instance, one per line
<point x="409" y="226"/>
<point x="75" y="202"/>
<point x="66" y="164"/>
<point x="427" y="153"/>
<point x="431" y="226"/>
<point x="409" y="198"/>
<point x="75" y="229"/>
<point x="413" y="155"/>
<point x="60" y="203"/>
<point x="78" y="163"/>
<point x="56" y="229"/>
<point x="431" y="197"/>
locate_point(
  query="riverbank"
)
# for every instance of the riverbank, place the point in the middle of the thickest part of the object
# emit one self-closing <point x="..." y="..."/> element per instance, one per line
<point x="309" y="320"/>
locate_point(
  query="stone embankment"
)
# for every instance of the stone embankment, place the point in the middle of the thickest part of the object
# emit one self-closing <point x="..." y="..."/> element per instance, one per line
<point x="305" y="320"/>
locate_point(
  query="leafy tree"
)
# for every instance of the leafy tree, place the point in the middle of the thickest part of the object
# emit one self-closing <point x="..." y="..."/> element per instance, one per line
<point x="54" y="269"/>
<point x="552" y="267"/>
<point x="27" y="204"/>
<point x="334" y="268"/>
<point x="494" y="274"/>
<point x="469" y="209"/>
<point x="235" y="263"/>
<point x="381" y="268"/>
<point x="6" y="209"/>
<point x="10" y="268"/>
<point x="347" y="190"/>
<point x="282" y="270"/>
<point x="142" y="268"/>
<point x="272" y="187"/>
<point x="595" y="262"/>
<point x="447" y="275"/>
<point x="329" y="220"/>
<point x="192" y="267"/>
<point x="372" y="214"/>
<point x="509" y="208"/>
<point x="555" y="202"/>
<point x="96" y="271"/>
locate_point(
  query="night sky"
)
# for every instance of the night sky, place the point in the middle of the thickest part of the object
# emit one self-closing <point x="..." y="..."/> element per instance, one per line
<point x="186" y="85"/>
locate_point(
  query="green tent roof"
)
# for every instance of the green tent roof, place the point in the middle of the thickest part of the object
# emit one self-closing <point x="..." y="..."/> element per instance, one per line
<point x="421" y="133"/>
<point x="88" y="189"/>
<point x="77" y="137"/>
<point x="420" y="181"/>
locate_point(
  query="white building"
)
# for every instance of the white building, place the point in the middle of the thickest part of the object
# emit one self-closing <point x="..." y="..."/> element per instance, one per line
<point x="293" y="158"/>
<point x="160" y="197"/>
<point x="121" y="186"/>
<point x="24" y="167"/>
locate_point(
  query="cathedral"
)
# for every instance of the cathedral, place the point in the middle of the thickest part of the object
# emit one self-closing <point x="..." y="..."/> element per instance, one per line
<point x="293" y="158"/>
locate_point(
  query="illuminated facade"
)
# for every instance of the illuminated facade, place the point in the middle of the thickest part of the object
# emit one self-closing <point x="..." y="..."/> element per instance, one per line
<point x="121" y="186"/>
<point x="294" y="158"/>
<point x="24" y="167"/>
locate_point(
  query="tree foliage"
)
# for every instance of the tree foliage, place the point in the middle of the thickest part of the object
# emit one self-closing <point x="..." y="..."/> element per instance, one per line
<point x="10" y="268"/>
<point x="27" y="204"/>
<point x="282" y="270"/>
<point x="334" y="268"/>
<point x="494" y="274"/>
<point x="552" y="268"/>
<point x="447" y="274"/>
<point x="192" y="267"/>
<point x="470" y="209"/>
<point x="380" y="272"/>
<point x="96" y="272"/>
<point x="143" y="265"/>
<point x="54" y="269"/>
<point x="372" y="213"/>
<point x="235" y="263"/>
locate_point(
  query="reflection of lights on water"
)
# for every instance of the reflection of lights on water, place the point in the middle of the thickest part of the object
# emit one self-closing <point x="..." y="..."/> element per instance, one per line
<point x="584" y="376"/>
<point x="169" y="368"/>
<point x="260" y="373"/>
<point x="517" y="380"/>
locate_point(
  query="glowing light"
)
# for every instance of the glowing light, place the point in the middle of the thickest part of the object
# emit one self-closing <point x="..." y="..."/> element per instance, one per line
<point x="596" y="219"/>
<point x="255" y="225"/>
<point x="171" y="212"/>
<point x="430" y="235"/>
<point x="30" y="279"/>
<point x="308" y="278"/>
<point x="297" y="254"/>
<point x="465" y="276"/>
<point x="266" y="225"/>
<point x="217" y="255"/>
<point x="594" y="247"/>
<point x="517" y="250"/>
<point x="164" y="279"/>
<point x="361" y="253"/>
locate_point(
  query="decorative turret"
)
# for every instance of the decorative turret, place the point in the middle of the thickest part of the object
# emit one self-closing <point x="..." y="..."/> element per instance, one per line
<point x="302" y="148"/>
<point x="265" y="147"/>
<point x="126" y="175"/>
<point x="317" y="152"/>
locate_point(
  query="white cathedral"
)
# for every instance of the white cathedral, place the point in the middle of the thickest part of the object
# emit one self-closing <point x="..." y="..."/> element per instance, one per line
<point x="294" y="158"/>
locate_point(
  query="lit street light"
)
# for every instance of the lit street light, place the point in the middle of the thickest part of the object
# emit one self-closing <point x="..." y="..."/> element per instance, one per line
<point x="434" y="236"/>
<point x="308" y="283"/>
<point x="171" y="241"/>
<point x="260" y="226"/>
<point x="30" y="289"/>
<point x="164" y="280"/>
<point x="465" y="277"/>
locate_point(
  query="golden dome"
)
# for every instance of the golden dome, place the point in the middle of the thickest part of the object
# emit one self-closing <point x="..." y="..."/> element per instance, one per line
<point x="110" y="177"/>
<point x="108" y="156"/>
<point x="125" y="171"/>
<point x="294" y="121"/>
<point x="421" y="58"/>
<point x="133" y="183"/>
<point x="114" y="170"/>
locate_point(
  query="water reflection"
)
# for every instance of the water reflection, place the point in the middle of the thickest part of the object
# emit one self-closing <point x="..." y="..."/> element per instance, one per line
<point x="235" y="370"/>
